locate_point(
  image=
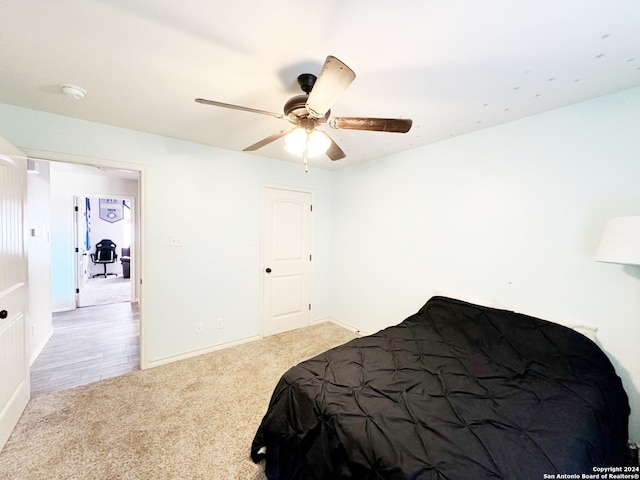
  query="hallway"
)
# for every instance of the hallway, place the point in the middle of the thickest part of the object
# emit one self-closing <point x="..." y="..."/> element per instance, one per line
<point x="88" y="344"/>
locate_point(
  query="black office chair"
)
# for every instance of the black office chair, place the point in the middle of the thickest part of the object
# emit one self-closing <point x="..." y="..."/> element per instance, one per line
<point x="105" y="254"/>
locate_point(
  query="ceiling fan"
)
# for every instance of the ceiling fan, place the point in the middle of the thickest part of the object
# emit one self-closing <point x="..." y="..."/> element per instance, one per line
<point x="312" y="109"/>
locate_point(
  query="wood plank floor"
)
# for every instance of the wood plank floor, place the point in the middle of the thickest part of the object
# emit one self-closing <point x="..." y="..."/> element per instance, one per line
<point x="88" y="344"/>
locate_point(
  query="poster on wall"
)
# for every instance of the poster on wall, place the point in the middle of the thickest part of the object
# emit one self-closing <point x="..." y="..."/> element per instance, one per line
<point x="111" y="209"/>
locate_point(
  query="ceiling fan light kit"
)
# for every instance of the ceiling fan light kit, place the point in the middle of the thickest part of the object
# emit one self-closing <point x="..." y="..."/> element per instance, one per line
<point x="313" y="109"/>
<point x="316" y="142"/>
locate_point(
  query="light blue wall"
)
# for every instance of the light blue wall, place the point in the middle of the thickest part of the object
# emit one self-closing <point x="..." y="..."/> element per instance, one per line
<point x="510" y="215"/>
<point x="38" y="228"/>
<point x="210" y="199"/>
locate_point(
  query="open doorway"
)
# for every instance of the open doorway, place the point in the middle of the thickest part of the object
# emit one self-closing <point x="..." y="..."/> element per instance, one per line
<point x="101" y="339"/>
<point x="104" y="236"/>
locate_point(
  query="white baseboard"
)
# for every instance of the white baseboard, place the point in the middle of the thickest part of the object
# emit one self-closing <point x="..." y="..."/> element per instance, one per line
<point x="63" y="308"/>
<point x="195" y="353"/>
<point x="38" y="350"/>
<point x="346" y="326"/>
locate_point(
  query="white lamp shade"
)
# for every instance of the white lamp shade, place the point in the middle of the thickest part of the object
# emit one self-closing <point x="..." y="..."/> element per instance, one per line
<point x="620" y="241"/>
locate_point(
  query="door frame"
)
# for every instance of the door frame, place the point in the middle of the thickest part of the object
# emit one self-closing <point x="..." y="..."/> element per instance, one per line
<point x="77" y="257"/>
<point x="139" y="244"/>
<point x="263" y="265"/>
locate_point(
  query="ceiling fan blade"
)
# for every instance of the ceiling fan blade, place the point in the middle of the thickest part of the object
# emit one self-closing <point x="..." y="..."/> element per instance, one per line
<point x="334" y="152"/>
<point x="334" y="79"/>
<point x="267" y="141"/>
<point x="204" y="101"/>
<point x="398" y="125"/>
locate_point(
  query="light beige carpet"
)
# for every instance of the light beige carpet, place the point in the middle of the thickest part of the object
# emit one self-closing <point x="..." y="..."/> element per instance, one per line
<point x="193" y="419"/>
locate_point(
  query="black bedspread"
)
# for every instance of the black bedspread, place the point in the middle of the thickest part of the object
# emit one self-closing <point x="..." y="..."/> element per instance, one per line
<point x="456" y="391"/>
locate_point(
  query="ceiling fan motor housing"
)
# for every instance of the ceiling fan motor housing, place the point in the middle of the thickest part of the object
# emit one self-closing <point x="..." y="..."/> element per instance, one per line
<point x="296" y="109"/>
<point x="306" y="82"/>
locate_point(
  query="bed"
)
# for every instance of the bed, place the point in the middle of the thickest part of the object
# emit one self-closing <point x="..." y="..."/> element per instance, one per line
<point x="455" y="391"/>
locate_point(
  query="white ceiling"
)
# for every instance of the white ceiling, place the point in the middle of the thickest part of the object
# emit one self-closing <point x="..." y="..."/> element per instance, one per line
<point x="453" y="66"/>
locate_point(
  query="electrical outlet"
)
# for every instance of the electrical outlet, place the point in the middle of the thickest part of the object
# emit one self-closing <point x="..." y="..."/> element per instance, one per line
<point x="175" y="242"/>
<point x="199" y="327"/>
<point x="219" y="324"/>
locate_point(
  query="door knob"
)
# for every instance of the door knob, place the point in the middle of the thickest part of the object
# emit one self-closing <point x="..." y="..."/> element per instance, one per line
<point x="268" y="270"/>
<point x="3" y="314"/>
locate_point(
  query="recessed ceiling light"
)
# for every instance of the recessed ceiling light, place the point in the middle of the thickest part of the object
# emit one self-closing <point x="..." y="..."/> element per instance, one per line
<point x="73" y="91"/>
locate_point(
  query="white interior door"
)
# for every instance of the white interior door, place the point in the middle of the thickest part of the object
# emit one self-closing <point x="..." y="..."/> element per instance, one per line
<point x="14" y="363"/>
<point x="286" y="259"/>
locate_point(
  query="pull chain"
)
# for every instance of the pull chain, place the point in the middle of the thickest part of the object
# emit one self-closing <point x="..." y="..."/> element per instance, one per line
<point x="304" y="154"/>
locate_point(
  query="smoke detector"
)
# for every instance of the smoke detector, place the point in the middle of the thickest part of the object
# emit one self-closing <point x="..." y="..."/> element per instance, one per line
<point x="73" y="91"/>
